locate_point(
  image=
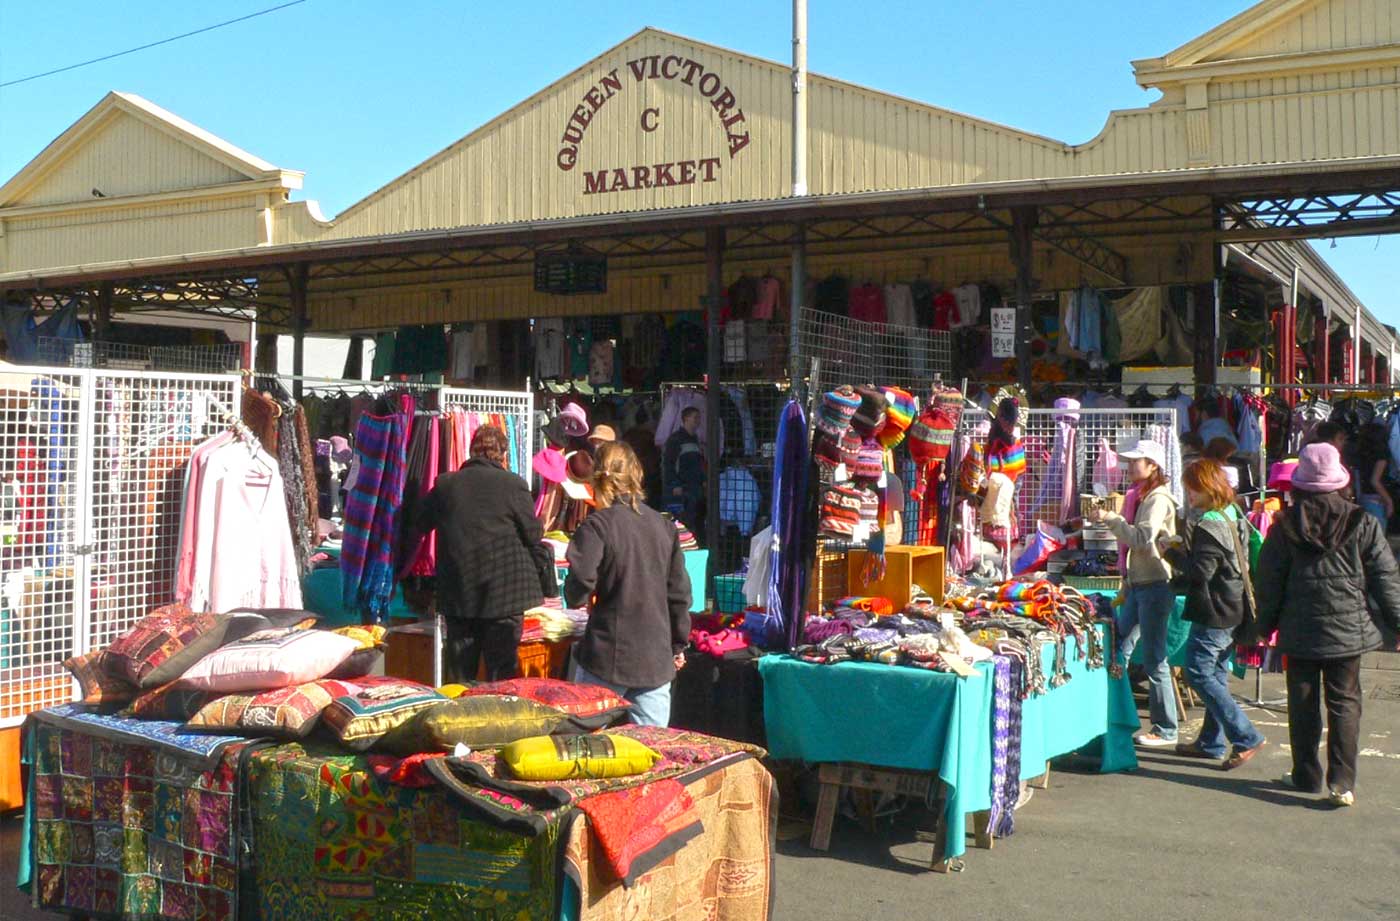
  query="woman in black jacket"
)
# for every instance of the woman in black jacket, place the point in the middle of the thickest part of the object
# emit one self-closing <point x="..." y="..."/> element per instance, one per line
<point x="1217" y="604"/>
<point x="626" y="564"/>
<point x="1322" y="567"/>
<point x="492" y="564"/>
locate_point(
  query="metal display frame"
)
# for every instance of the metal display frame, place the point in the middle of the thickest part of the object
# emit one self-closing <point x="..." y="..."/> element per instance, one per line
<point x="90" y="462"/>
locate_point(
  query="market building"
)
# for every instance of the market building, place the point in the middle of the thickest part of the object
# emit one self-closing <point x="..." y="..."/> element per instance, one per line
<point x="633" y="237"/>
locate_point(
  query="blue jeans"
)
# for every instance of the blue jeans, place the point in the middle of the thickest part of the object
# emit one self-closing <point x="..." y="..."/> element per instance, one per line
<point x="650" y="706"/>
<point x="1207" y="652"/>
<point x="1145" y="614"/>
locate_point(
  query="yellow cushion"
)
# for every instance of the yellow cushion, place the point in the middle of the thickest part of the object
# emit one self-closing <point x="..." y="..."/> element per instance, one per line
<point x="452" y="691"/>
<point x="367" y="637"/>
<point x="562" y="757"/>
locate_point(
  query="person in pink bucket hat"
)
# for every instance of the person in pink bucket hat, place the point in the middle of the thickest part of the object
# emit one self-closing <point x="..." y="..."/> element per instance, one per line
<point x="1326" y="575"/>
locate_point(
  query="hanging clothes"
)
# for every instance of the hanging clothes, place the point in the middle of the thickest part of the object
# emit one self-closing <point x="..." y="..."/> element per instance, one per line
<point x="241" y="537"/>
<point x="969" y="301"/>
<point x="1057" y="498"/>
<point x="419" y="557"/>
<point x="787" y="576"/>
<point x="551" y="349"/>
<point x="371" y="514"/>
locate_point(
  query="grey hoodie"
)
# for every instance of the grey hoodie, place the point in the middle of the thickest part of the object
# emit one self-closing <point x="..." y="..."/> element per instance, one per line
<point x="1156" y="515"/>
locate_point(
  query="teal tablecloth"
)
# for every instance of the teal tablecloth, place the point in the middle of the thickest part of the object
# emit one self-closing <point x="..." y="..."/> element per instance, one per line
<point x="909" y="718"/>
<point x="321" y="593"/>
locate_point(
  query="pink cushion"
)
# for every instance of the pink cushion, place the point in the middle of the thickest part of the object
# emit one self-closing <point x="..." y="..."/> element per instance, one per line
<point x="270" y="659"/>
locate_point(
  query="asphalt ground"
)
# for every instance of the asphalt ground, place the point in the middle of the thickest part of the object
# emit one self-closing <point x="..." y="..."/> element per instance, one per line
<point x="1177" y="839"/>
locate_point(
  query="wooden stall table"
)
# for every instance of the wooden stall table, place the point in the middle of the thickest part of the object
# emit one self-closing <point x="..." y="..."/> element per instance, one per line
<point x="412" y="646"/>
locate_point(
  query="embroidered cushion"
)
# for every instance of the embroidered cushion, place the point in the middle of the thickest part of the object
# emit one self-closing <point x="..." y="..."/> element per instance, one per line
<point x="570" y="756"/>
<point x="99" y="686"/>
<point x="163" y="644"/>
<point x="289" y="711"/>
<point x="358" y="720"/>
<point x="477" y="722"/>
<point x="170" y="701"/>
<point x="270" y="659"/>
<point x="591" y="706"/>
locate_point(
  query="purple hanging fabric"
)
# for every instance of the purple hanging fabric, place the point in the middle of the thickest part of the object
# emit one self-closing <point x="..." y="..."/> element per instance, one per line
<point x="787" y="576"/>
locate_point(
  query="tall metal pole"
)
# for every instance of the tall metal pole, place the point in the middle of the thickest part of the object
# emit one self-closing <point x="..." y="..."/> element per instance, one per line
<point x="799" y="189"/>
<point x="799" y="97"/>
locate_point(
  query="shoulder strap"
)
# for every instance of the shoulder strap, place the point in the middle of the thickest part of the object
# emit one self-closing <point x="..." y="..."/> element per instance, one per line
<point x="1242" y="559"/>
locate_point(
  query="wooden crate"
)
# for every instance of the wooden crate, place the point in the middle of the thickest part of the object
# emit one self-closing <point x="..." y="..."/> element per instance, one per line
<point x="828" y="581"/>
<point x="11" y="776"/>
<point x="905" y="567"/>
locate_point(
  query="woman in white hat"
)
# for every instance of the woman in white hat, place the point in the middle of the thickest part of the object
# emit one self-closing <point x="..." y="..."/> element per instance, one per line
<point x="1149" y="514"/>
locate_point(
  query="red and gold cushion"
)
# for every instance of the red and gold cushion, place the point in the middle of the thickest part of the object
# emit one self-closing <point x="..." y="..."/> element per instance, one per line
<point x="163" y="644"/>
<point x="99" y="686"/>
<point x="588" y="704"/>
<point x="290" y="712"/>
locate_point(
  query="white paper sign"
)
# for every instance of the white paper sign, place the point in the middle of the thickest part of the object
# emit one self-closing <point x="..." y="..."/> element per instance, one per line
<point x="1003" y="332"/>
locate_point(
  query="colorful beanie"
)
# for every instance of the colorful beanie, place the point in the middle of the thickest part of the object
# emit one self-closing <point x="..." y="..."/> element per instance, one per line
<point x="869" y="418"/>
<point x="826" y="451"/>
<point x="899" y="415"/>
<point x="850" y="450"/>
<point x="870" y="461"/>
<point x="838" y="406"/>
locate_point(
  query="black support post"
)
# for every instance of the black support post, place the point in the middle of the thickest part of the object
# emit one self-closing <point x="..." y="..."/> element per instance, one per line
<point x="1023" y="222"/>
<point x="297" y="282"/>
<point x="714" y="290"/>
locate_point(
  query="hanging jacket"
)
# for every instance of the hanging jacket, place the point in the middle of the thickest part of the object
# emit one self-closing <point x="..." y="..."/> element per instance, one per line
<point x="1321" y="567"/>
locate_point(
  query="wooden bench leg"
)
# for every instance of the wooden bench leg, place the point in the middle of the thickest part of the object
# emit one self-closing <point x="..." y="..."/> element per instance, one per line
<point x="982" y="829"/>
<point x="826" y="814"/>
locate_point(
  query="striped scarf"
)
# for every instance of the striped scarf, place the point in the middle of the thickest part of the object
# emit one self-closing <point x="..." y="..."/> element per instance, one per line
<point x="371" y="513"/>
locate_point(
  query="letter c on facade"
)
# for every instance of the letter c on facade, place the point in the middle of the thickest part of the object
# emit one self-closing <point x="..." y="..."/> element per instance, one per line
<point x="649" y="119"/>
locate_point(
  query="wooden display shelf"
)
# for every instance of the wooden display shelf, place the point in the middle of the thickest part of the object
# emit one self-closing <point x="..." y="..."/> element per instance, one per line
<point x="905" y="567"/>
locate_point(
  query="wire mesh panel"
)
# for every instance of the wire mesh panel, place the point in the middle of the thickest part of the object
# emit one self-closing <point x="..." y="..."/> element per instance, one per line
<point x="209" y="359"/>
<point x="40" y="497"/>
<point x="749" y="413"/>
<point x="515" y="405"/>
<point x="1066" y="454"/>
<point x="91" y="486"/>
<point x="144" y="427"/>
<point x="833" y="349"/>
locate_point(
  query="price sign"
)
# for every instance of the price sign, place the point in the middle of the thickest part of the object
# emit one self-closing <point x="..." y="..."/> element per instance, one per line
<point x="1003" y="332"/>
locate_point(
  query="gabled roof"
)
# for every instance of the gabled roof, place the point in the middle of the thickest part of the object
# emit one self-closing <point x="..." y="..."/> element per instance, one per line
<point x="114" y="104"/>
<point x="1233" y="32"/>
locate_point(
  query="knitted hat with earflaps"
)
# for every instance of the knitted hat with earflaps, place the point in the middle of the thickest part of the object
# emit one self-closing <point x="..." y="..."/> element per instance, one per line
<point x="899" y="415"/>
<point x="826" y="450"/>
<point x="838" y="406"/>
<point x="869" y="419"/>
<point x="850" y="450"/>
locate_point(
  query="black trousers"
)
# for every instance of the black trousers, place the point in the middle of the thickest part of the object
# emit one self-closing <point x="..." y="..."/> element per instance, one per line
<point x="468" y="642"/>
<point x="1341" y="680"/>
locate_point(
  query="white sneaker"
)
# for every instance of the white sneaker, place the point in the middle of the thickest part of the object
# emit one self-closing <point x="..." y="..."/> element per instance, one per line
<point x="1340" y="798"/>
<point x="1152" y="740"/>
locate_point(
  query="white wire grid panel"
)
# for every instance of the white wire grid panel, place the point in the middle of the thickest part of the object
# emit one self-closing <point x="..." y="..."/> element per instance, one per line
<point x="1040" y="490"/>
<point x="517" y="404"/>
<point x="92" y="474"/>
<point x="833" y="349"/>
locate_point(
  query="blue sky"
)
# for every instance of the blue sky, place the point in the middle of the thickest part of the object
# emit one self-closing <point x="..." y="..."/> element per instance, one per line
<point x="355" y="92"/>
